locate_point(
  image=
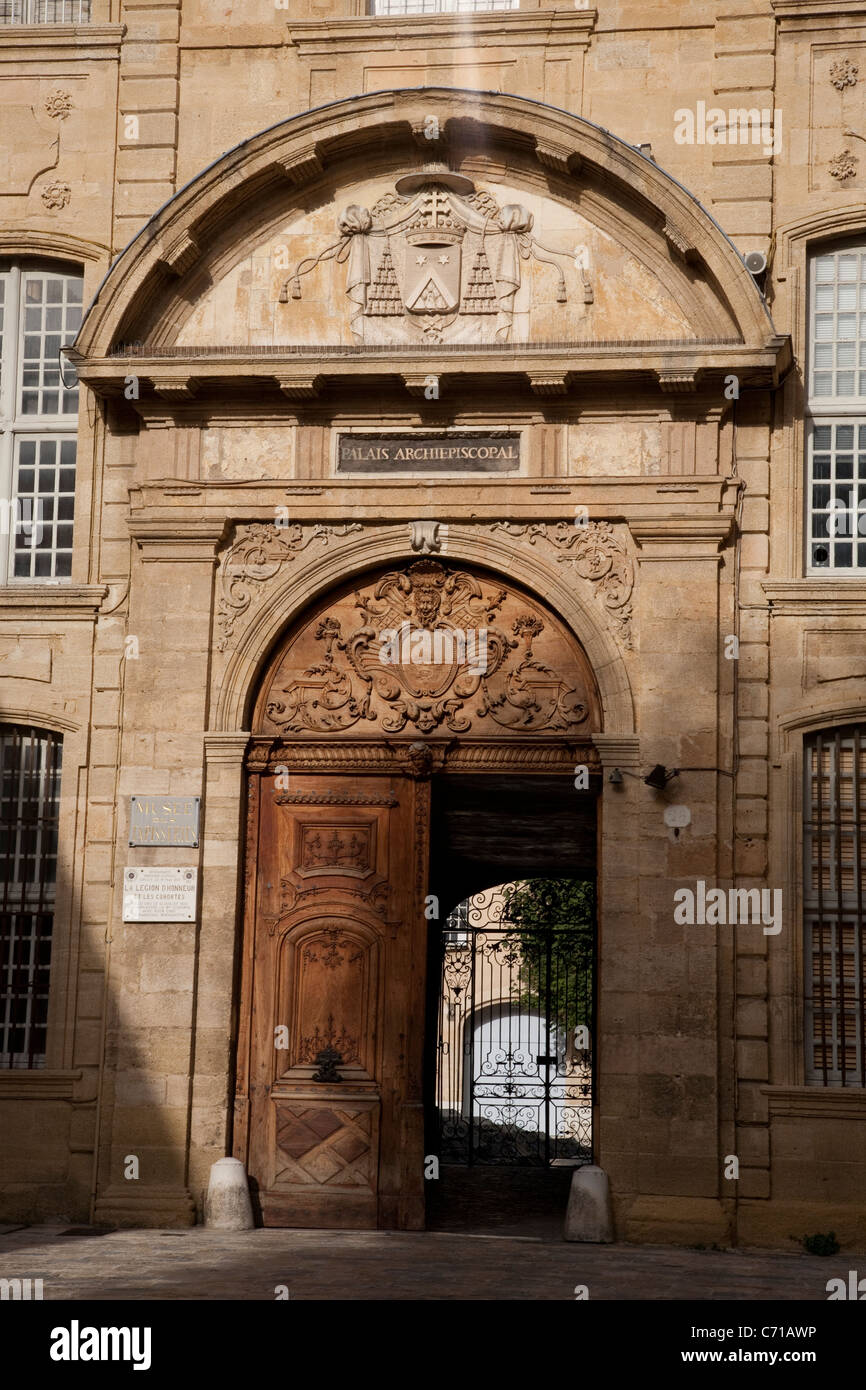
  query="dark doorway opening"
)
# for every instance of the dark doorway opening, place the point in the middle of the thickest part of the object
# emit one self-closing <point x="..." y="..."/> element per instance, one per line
<point x="511" y="1000"/>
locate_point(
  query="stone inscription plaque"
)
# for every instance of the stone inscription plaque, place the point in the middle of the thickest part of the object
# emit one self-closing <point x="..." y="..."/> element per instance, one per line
<point x="159" y="895"/>
<point x="495" y="452"/>
<point x="164" y="820"/>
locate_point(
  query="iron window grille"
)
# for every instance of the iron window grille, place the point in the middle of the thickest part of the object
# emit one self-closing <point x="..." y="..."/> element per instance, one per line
<point x="834" y="892"/>
<point x="836" y="412"/>
<point x="40" y="312"/>
<point x="30" y="761"/>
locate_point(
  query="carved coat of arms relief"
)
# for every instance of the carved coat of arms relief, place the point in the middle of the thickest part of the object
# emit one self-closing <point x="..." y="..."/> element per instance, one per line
<point x="435" y="261"/>
<point x="393" y="659"/>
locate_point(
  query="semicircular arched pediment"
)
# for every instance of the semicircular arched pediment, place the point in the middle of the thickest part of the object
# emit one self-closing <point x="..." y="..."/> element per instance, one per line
<point x="329" y="230"/>
<point x="426" y="648"/>
<point x="413" y="261"/>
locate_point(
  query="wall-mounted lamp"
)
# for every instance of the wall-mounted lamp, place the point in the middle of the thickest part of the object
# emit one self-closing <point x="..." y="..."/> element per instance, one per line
<point x="659" y="777"/>
<point x="615" y="777"/>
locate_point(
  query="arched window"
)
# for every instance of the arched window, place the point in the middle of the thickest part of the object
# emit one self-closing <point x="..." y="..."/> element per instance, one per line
<point x="834" y="903"/>
<point x="836" y="409"/>
<point x="40" y="311"/>
<point x="29" y="796"/>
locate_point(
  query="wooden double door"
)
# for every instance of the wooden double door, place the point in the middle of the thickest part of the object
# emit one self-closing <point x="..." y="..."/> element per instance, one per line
<point x="394" y="677"/>
<point x="329" y="1108"/>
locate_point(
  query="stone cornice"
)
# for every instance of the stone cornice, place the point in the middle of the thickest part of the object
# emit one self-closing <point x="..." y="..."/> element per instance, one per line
<point x="51" y="40"/>
<point x="826" y="598"/>
<point x="225" y="747"/>
<point x="290" y="370"/>
<point x="816" y="1102"/>
<point x="76" y="602"/>
<point x="493" y="29"/>
<point x="618" y="750"/>
<point x="643" y="501"/>
<point x="818" y="9"/>
<point x="19" y="242"/>
<point x="177" y="538"/>
<point x="39" y="1084"/>
<point x="681" y="537"/>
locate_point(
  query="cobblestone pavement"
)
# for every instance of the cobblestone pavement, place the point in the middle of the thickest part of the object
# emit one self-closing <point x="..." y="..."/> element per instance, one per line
<point x="204" y="1264"/>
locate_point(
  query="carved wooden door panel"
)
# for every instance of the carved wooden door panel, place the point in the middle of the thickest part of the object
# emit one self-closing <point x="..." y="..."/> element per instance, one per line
<point x="329" y="1115"/>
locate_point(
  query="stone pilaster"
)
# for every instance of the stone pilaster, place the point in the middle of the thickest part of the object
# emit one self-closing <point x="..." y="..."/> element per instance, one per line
<point x="151" y="1002"/>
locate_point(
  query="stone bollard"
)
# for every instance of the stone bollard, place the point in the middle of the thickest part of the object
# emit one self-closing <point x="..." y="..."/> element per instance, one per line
<point x="589" y="1216"/>
<point x="227" y="1206"/>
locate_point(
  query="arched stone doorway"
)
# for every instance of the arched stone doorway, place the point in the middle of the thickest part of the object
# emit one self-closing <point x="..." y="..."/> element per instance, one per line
<point x="424" y="673"/>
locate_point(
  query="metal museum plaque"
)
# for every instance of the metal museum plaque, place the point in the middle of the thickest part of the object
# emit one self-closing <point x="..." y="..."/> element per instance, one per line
<point x="495" y="452"/>
<point x="159" y="894"/>
<point x="164" y="820"/>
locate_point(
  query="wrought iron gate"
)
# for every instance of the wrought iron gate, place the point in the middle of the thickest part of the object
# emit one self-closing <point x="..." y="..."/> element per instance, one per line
<point x="514" y="1079"/>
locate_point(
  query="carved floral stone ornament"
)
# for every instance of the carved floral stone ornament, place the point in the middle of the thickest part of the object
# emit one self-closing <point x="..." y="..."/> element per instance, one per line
<point x="844" y="166"/>
<point x="435" y="262"/>
<point x="430" y="648"/>
<point x="256" y="556"/>
<point x="58" y="104"/>
<point x="56" y="194"/>
<point x="844" y="73"/>
<point x="597" y="554"/>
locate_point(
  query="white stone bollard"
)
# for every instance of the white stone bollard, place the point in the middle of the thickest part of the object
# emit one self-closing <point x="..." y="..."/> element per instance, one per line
<point x="589" y="1217"/>
<point x="227" y="1206"/>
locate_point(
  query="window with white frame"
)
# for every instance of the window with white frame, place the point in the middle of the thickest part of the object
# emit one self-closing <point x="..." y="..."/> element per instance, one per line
<point x="836" y="412"/>
<point x="409" y="7"/>
<point x="44" y="11"/>
<point x="40" y="312"/>
<point x="834" y="905"/>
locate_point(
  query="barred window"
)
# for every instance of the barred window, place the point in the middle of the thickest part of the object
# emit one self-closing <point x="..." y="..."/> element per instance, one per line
<point x="40" y="312"/>
<point x="833" y="900"/>
<point x="836" y="410"/>
<point x="29" y="796"/>
<point x="44" y="11"/>
<point x="409" y="7"/>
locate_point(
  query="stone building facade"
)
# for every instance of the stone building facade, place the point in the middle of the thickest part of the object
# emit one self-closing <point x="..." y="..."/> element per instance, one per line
<point x="438" y="319"/>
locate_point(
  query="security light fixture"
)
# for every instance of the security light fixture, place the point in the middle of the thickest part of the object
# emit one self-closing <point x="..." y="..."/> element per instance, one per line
<point x="659" y="777"/>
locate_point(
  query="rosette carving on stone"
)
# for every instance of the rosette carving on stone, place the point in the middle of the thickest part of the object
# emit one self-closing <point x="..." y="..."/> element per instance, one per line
<point x="843" y="166"/>
<point x="58" y="104"/>
<point x="597" y="554"/>
<point x="844" y="73"/>
<point x="56" y="195"/>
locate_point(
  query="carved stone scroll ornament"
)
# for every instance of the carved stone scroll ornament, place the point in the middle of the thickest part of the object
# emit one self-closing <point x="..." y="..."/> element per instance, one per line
<point x="434" y="262"/>
<point x="432" y="648"/>
<point x="256" y="555"/>
<point x="597" y="554"/>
